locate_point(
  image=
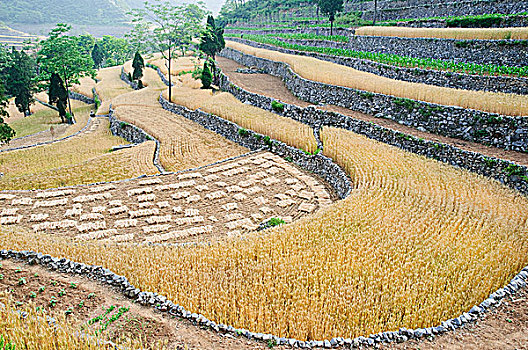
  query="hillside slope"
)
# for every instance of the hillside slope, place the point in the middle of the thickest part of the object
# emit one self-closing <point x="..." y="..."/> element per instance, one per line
<point x="69" y="11"/>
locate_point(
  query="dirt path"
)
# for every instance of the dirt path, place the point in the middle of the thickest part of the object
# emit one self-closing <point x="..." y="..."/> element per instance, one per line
<point x="59" y="132"/>
<point x="274" y="87"/>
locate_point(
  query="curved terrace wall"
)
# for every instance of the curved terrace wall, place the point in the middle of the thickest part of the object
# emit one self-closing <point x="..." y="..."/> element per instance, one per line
<point x="436" y="8"/>
<point x="318" y="164"/>
<point x="509" y="173"/>
<point x="498" y="52"/>
<point x="476" y="126"/>
<point x="462" y="81"/>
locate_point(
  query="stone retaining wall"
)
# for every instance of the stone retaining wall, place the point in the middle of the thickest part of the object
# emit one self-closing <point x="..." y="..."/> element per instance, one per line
<point x="135" y="135"/>
<point x="503" y="84"/>
<point x="476" y="126"/>
<point x="80" y="97"/>
<point x="162" y="304"/>
<point x="318" y="164"/>
<point x="509" y="173"/>
<point x="390" y="10"/>
<point x="497" y="52"/>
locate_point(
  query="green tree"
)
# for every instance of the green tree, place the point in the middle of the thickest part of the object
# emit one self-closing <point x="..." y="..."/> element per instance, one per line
<point x="207" y="77"/>
<point x="86" y="43"/>
<point x="6" y="132"/>
<point x="212" y="42"/>
<point x="116" y="51"/>
<point x="97" y="56"/>
<point x="58" y="95"/>
<point x="138" y="64"/>
<point x="21" y="80"/>
<point x="166" y="28"/>
<point x="330" y="8"/>
<point x="61" y="54"/>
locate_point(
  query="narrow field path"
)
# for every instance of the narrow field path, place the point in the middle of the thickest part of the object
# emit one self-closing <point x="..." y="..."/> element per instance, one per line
<point x="272" y="86"/>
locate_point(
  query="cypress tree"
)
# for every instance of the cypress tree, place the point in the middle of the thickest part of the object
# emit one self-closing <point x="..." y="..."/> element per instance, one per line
<point x="207" y="77"/>
<point x="58" y="96"/>
<point x="97" y="56"/>
<point x="138" y="64"/>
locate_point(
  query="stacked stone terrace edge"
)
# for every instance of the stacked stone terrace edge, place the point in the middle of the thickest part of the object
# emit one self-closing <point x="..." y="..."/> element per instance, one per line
<point x="391" y="10"/>
<point x="487" y="128"/>
<point x="162" y="304"/>
<point x="504" y="84"/>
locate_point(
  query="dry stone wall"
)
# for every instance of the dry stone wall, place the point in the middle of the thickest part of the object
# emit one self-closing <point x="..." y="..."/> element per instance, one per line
<point x="513" y="85"/>
<point x="390" y="10"/>
<point x="476" y="126"/>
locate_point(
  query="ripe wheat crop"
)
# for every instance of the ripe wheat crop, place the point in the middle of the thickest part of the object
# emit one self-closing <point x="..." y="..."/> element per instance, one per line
<point x="184" y="144"/>
<point x="334" y="74"/>
<point x="416" y="242"/>
<point x="79" y="160"/>
<point x="228" y="107"/>
<point x="447" y="33"/>
<point x="110" y="86"/>
<point x="85" y="86"/>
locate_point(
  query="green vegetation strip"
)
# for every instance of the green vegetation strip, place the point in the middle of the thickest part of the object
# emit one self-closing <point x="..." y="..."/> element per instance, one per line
<point x="478" y="21"/>
<point x="394" y="60"/>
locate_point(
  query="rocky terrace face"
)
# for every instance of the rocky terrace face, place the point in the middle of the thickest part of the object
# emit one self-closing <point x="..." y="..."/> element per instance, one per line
<point x="227" y="198"/>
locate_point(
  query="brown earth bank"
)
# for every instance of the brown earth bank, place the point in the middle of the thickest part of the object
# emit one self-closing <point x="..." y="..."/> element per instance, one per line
<point x="274" y="87"/>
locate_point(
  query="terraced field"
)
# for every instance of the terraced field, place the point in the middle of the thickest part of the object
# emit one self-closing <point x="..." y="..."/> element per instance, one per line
<point x="415" y="242"/>
<point x="334" y="74"/>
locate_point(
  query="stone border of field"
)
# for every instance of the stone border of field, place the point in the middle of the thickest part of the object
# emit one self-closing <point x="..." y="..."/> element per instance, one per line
<point x="495" y="168"/>
<point x="162" y="304"/>
<point x="504" y="84"/>
<point x="444" y="8"/>
<point x="501" y="131"/>
<point x="317" y="164"/>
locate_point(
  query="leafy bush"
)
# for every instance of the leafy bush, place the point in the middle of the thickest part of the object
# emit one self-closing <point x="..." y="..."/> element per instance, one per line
<point x="277" y="106"/>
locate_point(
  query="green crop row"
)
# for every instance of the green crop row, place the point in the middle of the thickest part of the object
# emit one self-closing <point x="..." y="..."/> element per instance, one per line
<point x="394" y="60"/>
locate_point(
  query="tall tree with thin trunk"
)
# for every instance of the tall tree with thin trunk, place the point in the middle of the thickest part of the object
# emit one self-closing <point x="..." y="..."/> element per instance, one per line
<point x="166" y="28"/>
<point x="61" y="54"/>
<point x="330" y="8"/>
<point x="212" y="42"/>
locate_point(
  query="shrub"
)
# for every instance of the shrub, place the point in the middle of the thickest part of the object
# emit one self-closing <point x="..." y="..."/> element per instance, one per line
<point x="277" y="106"/>
<point x="207" y="77"/>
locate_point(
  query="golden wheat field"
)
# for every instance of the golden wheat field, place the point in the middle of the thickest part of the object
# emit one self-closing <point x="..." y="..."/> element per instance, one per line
<point x="520" y="33"/>
<point x="184" y="144"/>
<point x="416" y="242"/>
<point x="85" y="86"/>
<point x="80" y="160"/>
<point x="334" y="74"/>
<point x="150" y="76"/>
<point x="110" y="86"/>
<point x="228" y="107"/>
